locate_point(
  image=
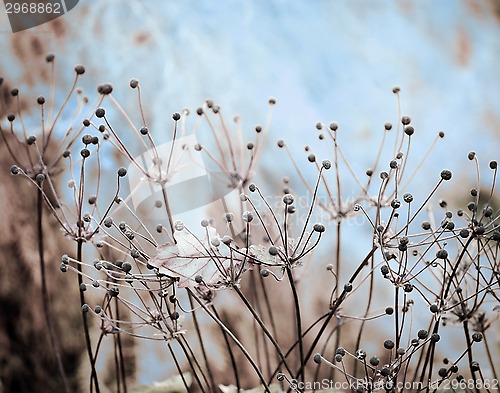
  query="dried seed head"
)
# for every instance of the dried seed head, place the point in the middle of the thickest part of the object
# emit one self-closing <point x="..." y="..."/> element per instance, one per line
<point x="408" y="198"/>
<point x="477" y="337"/>
<point x="108" y="222"/>
<point x="388" y="344"/>
<point x="40" y="100"/>
<point x="396" y="204"/>
<point x="87" y="139"/>
<point x="374" y="361"/>
<point x="126" y="267"/>
<point x="113" y="291"/>
<point x="334" y="126"/>
<point x="79" y="69"/>
<point x="388" y="126"/>
<point x="288" y="199"/>
<point x="176" y="116"/>
<point x="446" y="174"/>
<point x="426" y="225"/>
<point x="435" y="337"/>
<point x="122" y="172"/>
<point x="409" y="130"/>
<point x="273" y="250"/>
<point x="105" y="89"/>
<point x="134" y="83"/>
<point x="318" y="227"/>
<point x="406" y="120"/>
<point x="247" y="216"/>
<point x="100" y="113"/>
<point x="464" y="233"/>
<point x="174" y="316"/>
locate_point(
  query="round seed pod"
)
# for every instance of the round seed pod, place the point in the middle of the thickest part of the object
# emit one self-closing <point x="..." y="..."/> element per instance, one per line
<point x="79" y="69"/>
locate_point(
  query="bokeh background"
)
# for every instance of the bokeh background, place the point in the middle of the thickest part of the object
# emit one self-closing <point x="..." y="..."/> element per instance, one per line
<point x="322" y="60"/>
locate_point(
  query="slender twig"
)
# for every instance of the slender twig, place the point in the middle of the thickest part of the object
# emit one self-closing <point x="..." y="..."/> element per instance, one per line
<point x="45" y="294"/>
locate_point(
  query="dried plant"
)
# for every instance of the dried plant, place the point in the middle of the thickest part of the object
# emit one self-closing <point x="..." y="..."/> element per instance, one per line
<point x="229" y="291"/>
